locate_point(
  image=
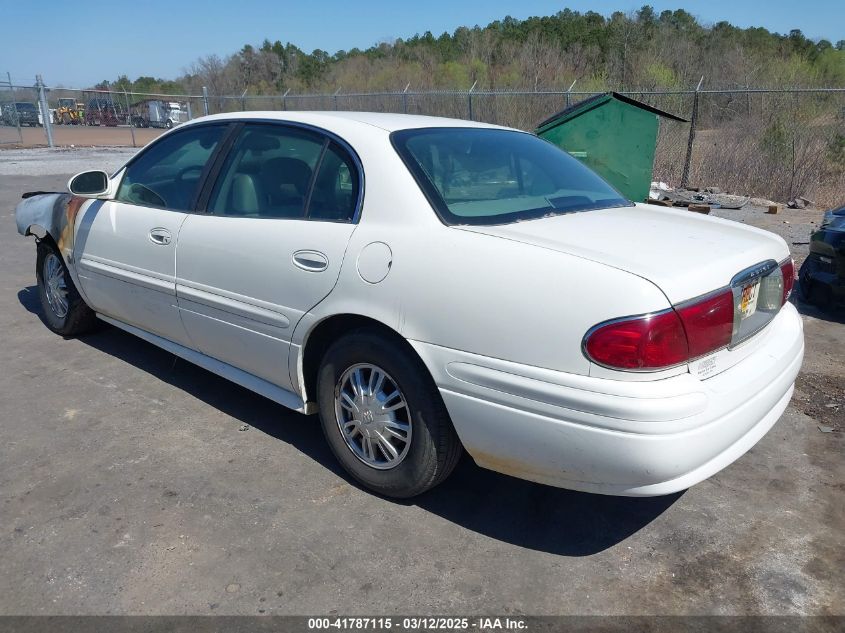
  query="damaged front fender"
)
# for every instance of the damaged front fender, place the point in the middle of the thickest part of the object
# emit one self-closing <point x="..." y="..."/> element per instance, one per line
<point x="52" y="214"/>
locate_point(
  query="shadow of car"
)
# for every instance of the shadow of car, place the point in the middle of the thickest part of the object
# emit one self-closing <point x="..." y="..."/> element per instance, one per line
<point x="504" y="508"/>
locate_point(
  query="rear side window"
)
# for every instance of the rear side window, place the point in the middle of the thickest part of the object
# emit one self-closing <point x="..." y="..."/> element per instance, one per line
<point x="335" y="194"/>
<point x="277" y="171"/>
<point x="167" y="174"/>
<point x="268" y="173"/>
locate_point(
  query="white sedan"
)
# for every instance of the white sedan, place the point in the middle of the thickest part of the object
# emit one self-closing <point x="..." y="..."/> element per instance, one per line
<point x="432" y="285"/>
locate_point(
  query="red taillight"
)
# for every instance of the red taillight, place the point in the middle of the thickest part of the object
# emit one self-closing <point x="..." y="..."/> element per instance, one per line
<point x="666" y="339"/>
<point x="787" y="268"/>
<point x="649" y="342"/>
<point x="708" y="323"/>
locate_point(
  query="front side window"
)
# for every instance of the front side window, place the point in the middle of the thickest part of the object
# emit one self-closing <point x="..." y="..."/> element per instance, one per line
<point x="268" y="173"/>
<point x="167" y="174"/>
<point x="489" y="176"/>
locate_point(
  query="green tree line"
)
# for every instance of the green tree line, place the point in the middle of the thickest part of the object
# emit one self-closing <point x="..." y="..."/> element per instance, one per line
<point x="642" y="50"/>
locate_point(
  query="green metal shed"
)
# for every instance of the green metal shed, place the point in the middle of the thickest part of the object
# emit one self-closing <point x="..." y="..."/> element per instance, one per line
<point x="613" y="134"/>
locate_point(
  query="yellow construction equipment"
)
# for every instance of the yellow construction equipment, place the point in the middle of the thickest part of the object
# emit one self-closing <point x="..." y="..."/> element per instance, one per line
<point x="68" y="112"/>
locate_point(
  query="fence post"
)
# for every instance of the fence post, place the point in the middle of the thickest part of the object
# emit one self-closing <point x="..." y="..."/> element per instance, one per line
<point x="691" y="140"/>
<point x="129" y="118"/>
<point x="285" y="99"/>
<point x="243" y="100"/>
<point x="334" y="98"/>
<point x="469" y="99"/>
<point x="405" y="98"/>
<point x="45" y="111"/>
<point x="12" y="96"/>
<point x="205" y="100"/>
<point x="569" y="93"/>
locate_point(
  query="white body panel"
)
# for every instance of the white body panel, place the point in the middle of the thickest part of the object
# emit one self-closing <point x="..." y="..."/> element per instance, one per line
<point x="241" y="292"/>
<point x="616" y="437"/>
<point x="685" y="254"/>
<point x="123" y="272"/>
<point x="496" y="313"/>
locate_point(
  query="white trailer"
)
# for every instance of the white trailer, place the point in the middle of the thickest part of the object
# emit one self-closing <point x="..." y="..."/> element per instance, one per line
<point x="157" y="113"/>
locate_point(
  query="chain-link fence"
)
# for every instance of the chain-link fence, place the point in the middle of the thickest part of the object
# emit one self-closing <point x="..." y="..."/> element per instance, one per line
<point x="777" y="143"/>
<point x="16" y="109"/>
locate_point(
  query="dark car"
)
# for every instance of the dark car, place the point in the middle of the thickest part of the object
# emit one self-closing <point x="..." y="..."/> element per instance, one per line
<point x="22" y="113"/>
<point x="822" y="275"/>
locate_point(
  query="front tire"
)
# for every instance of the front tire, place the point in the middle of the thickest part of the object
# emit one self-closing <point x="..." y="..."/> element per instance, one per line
<point x="63" y="310"/>
<point x="383" y="417"/>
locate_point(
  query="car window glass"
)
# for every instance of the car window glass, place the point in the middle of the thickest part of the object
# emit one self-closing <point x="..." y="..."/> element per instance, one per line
<point x="335" y="194"/>
<point x="168" y="173"/>
<point x="268" y="173"/>
<point x="489" y="176"/>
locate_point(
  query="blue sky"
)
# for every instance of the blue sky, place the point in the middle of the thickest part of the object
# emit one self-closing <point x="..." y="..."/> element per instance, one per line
<point x="76" y="44"/>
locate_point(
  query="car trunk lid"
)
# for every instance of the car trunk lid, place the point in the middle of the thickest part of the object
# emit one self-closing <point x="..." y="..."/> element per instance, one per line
<point x="688" y="256"/>
<point x="685" y="254"/>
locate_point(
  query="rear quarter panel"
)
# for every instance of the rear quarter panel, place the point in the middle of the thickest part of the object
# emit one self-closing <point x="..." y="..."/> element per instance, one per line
<point x="482" y="294"/>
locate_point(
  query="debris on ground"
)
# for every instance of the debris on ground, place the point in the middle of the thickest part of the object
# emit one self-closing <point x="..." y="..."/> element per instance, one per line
<point x="684" y="197"/>
<point x="799" y="202"/>
<point x="822" y="399"/>
<point x="244" y="427"/>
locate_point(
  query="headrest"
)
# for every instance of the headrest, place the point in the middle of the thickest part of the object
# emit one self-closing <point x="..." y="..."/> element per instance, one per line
<point x="260" y="142"/>
<point x="287" y="170"/>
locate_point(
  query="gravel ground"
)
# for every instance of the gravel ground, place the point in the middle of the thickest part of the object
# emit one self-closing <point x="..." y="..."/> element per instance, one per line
<point x="793" y="225"/>
<point x="63" y="160"/>
<point x="128" y="487"/>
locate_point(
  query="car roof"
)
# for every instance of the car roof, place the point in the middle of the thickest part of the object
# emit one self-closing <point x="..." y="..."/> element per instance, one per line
<point x="330" y="119"/>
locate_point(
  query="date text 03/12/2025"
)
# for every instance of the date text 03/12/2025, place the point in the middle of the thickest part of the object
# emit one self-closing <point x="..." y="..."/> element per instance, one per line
<point x="420" y="623"/>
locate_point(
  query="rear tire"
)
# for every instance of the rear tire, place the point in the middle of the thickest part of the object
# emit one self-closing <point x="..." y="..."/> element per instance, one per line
<point x="432" y="448"/>
<point x="63" y="310"/>
<point x="810" y="291"/>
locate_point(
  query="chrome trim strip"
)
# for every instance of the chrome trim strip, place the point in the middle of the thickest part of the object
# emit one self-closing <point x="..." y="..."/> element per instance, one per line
<point x="232" y="303"/>
<point x="757" y="271"/>
<point x="129" y="274"/>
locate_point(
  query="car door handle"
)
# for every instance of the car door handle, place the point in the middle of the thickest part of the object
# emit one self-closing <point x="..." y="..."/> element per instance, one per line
<point x="312" y="261"/>
<point x="160" y="236"/>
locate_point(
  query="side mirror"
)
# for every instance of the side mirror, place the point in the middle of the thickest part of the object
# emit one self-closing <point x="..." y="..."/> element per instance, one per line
<point x="89" y="183"/>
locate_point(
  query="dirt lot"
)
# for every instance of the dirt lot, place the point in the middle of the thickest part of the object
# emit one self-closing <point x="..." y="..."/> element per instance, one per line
<point x="78" y="136"/>
<point x="128" y="486"/>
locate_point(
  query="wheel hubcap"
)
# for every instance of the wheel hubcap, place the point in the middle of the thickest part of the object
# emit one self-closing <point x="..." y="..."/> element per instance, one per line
<point x="373" y="416"/>
<point x="55" y="285"/>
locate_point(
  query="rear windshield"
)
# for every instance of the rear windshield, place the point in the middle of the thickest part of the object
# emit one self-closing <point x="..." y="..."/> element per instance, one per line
<point x="489" y="176"/>
<point x="25" y="107"/>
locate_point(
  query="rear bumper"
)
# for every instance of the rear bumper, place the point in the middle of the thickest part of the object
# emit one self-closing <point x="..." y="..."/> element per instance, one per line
<point x="617" y="437"/>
